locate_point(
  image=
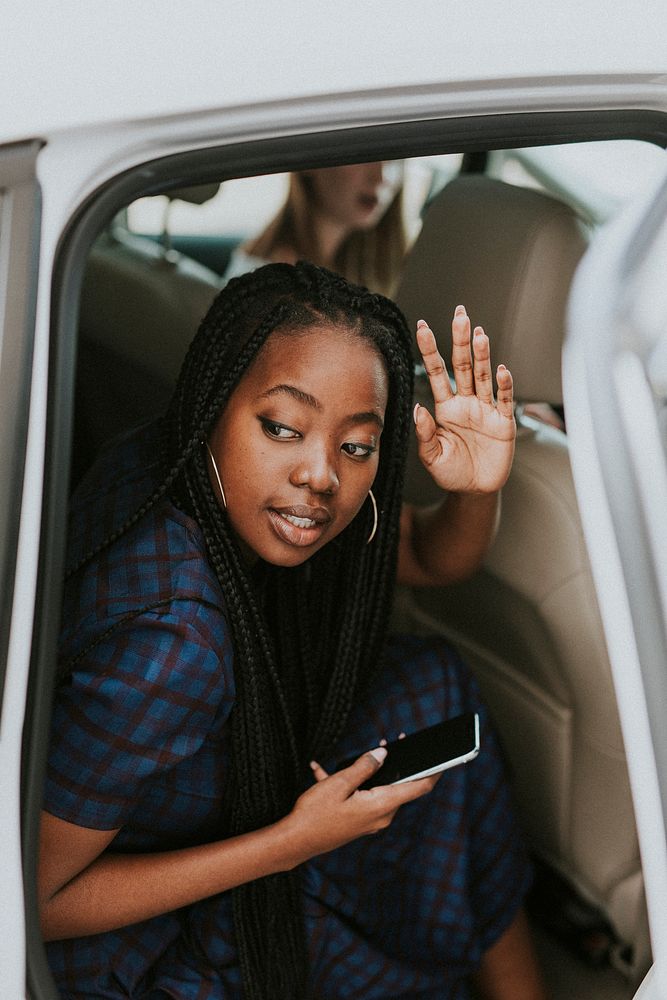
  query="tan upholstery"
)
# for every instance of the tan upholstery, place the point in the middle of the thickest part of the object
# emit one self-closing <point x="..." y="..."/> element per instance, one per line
<point x="140" y="308"/>
<point x="508" y="254"/>
<point x="143" y="304"/>
<point x="528" y="622"/>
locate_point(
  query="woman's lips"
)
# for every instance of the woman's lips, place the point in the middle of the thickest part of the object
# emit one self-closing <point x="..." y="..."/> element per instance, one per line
<point x="299" y="525"/>
<point x="368" y="202"/>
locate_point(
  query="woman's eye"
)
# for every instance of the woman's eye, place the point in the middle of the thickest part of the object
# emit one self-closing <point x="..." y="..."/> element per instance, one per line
<point x="358" y="450"/>
<point x="278" y="431"/>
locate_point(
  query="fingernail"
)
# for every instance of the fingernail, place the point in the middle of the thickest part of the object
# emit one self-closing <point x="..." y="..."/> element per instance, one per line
<point x="379" y="753"/>
<point x="313" y="764"/>
<point x="501" y="368"/>
<point x="421" y="322"/>
<point x="415" y="412"/>
<point x="460" y="311"/>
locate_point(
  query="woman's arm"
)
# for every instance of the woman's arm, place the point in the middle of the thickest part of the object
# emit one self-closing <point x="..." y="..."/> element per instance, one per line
<point x="446" y="542"/>
<point x="467" y="446"/>
<point x="83" y="889"/>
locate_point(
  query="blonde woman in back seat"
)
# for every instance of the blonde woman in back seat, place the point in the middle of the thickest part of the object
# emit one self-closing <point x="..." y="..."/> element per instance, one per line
<point x="348" y="219"/>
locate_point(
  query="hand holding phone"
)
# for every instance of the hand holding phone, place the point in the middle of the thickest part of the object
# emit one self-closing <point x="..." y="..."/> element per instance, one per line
<point x="436" y="748"/>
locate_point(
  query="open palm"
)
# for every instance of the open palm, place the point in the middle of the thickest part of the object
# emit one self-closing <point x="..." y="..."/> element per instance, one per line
<point x="468" y="444"/>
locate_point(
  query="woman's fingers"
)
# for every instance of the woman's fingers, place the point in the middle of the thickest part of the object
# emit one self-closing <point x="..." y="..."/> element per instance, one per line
<point x="410" y="790"/>
<point x="482" y="365"/>
<point x="383" y="742"/>
<point x="505" y="393"/>
<point x="391" y="796"/>
<point x="426" y="428"/>
<point x="471" y="365"/>
<point x="318" y="771"/>
<point x="335" y="810"/>
<point x="433" y="363"/>
<point x="461" y="356"/>
<point x="363" y="768"/>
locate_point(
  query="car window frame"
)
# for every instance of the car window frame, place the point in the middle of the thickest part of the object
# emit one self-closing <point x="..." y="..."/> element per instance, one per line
<point x="20" y="226"/>
<point x="615" y="369"/>
<point x="20" y="210"/>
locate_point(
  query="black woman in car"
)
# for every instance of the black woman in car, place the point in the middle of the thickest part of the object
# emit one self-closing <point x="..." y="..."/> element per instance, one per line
<point x="225" y="645"/>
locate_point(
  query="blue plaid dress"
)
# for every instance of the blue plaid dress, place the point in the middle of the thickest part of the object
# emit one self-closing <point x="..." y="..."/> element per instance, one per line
<point x="140" y="742"/>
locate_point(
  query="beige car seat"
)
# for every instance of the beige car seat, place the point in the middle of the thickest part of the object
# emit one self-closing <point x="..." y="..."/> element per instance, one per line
<point x="528" y="621"/>
<point x="141" y="304"/>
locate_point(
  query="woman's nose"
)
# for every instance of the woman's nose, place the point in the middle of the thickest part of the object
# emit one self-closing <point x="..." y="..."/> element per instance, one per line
<point x="316" y="470"/>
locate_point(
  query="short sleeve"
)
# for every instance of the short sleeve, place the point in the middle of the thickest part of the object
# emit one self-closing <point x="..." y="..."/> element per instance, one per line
<point x="140" y="702"/>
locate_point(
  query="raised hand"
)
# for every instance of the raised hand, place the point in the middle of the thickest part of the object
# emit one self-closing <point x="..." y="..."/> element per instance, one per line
<point x="467" y="445"/>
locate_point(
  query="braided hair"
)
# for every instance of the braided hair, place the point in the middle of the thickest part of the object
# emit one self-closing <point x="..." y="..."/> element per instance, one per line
<point x="296" y="683"/>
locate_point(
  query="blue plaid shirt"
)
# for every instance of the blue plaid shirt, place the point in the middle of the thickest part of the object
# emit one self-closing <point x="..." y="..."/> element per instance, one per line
<point x="140" y="743"/>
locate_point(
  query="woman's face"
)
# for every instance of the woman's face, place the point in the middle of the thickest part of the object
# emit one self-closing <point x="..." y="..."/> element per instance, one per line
<point x="357" y="195"/>
<point x="297" y="446"/>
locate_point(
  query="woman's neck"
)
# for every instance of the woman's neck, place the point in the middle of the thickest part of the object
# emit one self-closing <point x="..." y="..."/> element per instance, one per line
<point x="300" y="232"/>
<point x="329" y="236"/>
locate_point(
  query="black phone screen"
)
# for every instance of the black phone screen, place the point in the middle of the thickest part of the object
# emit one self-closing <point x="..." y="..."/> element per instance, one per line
<point x="428" y="751"/>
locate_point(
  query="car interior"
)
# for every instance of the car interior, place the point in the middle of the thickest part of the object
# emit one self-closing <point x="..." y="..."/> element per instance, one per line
<point x="506" y="243"/>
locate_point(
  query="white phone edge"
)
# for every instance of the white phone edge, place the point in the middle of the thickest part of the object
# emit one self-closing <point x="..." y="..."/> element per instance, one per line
<point x="445" y="765"/>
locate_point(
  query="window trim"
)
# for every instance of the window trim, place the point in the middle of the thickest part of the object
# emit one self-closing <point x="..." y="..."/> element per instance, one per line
<point x="20" y="227"/>
<point x="20" y="213"/>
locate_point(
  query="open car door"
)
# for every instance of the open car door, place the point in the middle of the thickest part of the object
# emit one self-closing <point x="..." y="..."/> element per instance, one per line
<point x="615" y="386"/>
<point x="20" y="495"/>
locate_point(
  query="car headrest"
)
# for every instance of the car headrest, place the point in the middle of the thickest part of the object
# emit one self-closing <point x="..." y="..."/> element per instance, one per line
<point x="196" y="194"/>
<point x="508" y="254"/>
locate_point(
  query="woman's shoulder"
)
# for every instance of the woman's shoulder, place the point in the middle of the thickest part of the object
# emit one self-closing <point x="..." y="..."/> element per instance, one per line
<point x="160" y="558"/>
<point x="126" y="470"/>
<point x="240" y="262"/>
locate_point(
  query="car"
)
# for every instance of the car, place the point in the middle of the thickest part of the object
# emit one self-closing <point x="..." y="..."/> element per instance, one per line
<point x="537" y="136"/>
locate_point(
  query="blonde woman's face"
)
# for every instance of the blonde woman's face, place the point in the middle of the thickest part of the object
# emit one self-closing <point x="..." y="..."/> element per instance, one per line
<point x="356" y="195"/>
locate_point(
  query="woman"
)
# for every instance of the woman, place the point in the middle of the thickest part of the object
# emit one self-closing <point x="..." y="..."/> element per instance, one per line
<point x="224" y="628"/>
<point x="348" y="219"/>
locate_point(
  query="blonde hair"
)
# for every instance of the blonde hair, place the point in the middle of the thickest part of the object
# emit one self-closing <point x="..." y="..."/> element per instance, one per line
<point x="370" y="257"/>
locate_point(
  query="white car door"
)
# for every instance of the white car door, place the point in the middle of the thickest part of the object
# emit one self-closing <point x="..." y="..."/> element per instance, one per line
<point x="615" y="384"/>
<point x="20" y="503"/>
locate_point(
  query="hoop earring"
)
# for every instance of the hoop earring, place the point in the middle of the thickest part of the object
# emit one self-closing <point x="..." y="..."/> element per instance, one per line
<point x="375" y="518"/>
<point x="217" y="476"/>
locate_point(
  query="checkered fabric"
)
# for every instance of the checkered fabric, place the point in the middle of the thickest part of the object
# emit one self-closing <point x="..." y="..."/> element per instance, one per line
<point x="140" y="742"/>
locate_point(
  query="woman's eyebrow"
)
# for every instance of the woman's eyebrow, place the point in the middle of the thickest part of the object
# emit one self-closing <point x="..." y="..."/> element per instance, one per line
<point x="291" y="390"/>
<point x="305" y="397"/>
<point x="364" y="418"/>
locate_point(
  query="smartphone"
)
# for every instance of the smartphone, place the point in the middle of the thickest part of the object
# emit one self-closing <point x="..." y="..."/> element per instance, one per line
<point x="428" y="751"/>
